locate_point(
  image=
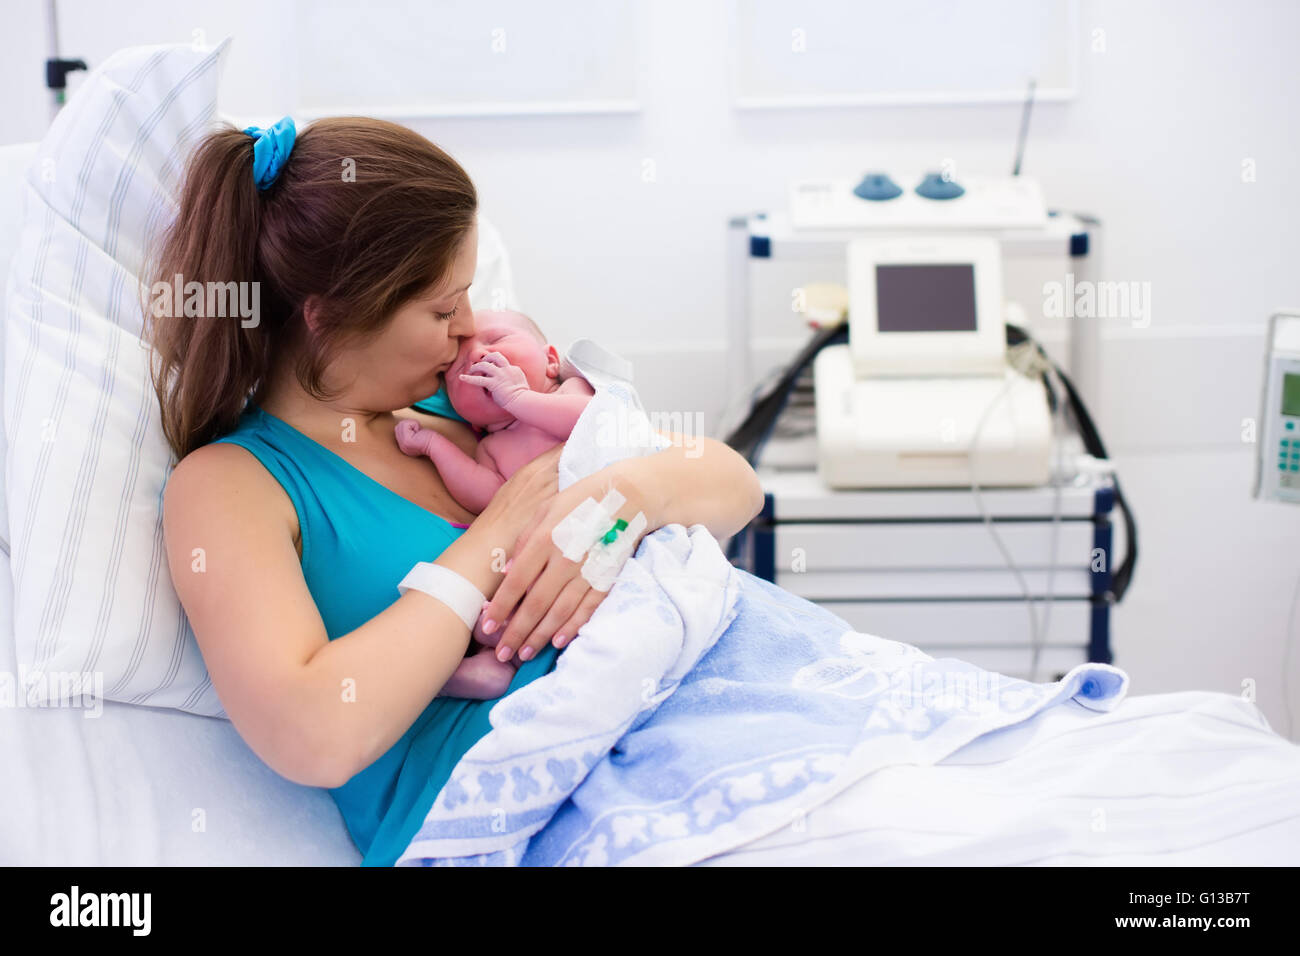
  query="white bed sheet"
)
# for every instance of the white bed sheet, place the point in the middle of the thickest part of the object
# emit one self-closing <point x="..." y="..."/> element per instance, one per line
<point x="1194" y="778"/>
<point x="127" y="787"/>
<point x="1191" y="778"/>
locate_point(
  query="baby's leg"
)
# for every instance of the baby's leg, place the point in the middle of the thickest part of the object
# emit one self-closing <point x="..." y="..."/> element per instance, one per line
<point x="480" y="677"/>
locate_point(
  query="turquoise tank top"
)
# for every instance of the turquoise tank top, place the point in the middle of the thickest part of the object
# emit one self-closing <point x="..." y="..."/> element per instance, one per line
<point x="438" y="404"/>
<point x="359" y="539"/>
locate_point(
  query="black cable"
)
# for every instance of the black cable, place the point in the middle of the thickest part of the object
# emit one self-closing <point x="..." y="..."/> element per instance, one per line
<point x="748" y="437"/>
<point x="752" y="434"/>
<point x="1095" y="447"/>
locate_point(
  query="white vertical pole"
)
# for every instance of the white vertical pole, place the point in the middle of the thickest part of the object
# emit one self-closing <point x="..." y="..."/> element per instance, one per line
<point x="739" y="344"/>
<point x="1085" y="333"/>
<point x="52" y="37"/>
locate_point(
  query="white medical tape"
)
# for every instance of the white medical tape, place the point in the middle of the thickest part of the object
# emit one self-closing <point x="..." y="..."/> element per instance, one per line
<point x="604" y="561"/>
<point x="586" y="524"/>
<point x="447" y="586"/>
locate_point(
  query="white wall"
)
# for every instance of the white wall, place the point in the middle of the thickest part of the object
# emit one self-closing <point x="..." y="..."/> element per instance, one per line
<point x="1153" y="144"/>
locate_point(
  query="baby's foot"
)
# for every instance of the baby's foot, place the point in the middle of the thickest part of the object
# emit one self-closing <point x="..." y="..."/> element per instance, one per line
<point x="480" y="677"/>
<point x="411" y="438"/>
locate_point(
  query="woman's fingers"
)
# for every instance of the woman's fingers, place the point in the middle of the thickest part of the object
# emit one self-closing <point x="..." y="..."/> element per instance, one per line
<point x="586" y="607"/>
<point x="534" y="606"/>
<point x="548" y="584"/>
<point x="565" y="604"/>
<point x="529" y="560"/>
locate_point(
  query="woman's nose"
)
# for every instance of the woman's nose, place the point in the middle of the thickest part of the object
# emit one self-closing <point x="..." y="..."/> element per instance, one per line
<point x="462" y="326"/>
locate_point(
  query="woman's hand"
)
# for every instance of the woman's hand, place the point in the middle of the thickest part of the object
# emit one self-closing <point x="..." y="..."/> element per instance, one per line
<point x="698" y="482"/>
<point x="557" y="600"/>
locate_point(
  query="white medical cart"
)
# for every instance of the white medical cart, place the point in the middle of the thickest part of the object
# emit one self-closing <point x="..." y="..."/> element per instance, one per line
<point x="920" y="565"/>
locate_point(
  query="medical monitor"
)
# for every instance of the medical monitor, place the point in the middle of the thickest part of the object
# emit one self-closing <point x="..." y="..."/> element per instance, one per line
<point x="926" y="306"/>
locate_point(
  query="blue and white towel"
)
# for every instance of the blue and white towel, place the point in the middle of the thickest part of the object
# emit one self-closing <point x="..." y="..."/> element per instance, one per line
<point x="702" y="708"/>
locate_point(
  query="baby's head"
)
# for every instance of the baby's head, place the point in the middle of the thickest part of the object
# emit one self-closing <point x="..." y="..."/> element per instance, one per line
<point x="518" y="338"/>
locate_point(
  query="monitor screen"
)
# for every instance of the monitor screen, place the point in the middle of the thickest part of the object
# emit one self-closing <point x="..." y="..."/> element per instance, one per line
<point x="1291" y="394"/>
<point x="925" y="297"/>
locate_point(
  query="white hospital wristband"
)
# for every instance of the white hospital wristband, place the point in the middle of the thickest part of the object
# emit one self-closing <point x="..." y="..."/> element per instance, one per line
<point x="447" y="586"/>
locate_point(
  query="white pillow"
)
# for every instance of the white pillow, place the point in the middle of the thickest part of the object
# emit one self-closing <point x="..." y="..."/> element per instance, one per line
<point x="494" y="284"/>
<point x="87" y="459"/>
<point x="14" y="160"/>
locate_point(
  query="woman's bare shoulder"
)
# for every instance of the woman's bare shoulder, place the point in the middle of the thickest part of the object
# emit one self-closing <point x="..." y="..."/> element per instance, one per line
<point x="217" y="479"/>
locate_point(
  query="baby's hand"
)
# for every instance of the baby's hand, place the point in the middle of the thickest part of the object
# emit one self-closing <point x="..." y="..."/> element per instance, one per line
<point x="498" y="376"/>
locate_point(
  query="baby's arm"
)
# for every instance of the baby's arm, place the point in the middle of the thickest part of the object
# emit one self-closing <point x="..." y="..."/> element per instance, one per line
<point x="554" y="412"/>
<point x="470" y="482"/>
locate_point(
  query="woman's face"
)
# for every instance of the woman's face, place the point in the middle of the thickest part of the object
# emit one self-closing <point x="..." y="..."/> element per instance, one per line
<point x="403" y="364"/>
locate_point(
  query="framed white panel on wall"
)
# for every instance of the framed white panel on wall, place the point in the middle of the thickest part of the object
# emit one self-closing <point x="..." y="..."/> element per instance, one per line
<point x="397" y="60"/>
<point x="868" y="52"/>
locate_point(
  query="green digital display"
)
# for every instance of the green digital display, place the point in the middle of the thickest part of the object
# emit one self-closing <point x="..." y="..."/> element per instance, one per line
<point x="1290" y="394"/>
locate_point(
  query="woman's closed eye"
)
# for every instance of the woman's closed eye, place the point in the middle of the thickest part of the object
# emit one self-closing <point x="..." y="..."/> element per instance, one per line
<point x="448" y="315"/>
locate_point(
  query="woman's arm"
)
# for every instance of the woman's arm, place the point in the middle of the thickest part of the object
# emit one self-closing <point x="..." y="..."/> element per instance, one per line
<point x="707" y="482"/>
<point x="316" y="711"/>
<point x="704" y="481"/>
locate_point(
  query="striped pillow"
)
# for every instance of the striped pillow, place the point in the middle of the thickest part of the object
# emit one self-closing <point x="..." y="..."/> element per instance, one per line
<point x="87" y="459"/>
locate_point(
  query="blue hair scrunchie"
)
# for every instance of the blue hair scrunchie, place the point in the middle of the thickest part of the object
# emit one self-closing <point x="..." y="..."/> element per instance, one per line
<point x="271" y="148"/>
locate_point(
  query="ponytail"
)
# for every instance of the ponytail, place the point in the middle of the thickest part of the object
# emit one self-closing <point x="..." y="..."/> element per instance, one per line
<point x="213" y="239"/>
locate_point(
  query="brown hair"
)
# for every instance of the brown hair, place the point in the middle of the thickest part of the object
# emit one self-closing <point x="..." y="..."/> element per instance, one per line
<point x="364" y="244"/>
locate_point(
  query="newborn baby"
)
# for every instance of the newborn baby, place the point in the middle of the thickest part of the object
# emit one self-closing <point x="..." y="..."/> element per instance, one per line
<point x="505" y="382"/>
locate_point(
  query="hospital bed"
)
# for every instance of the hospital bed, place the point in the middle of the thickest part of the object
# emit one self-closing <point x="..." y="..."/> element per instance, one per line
<point x="140" y="785"/>
<point x="1179" y="778"/>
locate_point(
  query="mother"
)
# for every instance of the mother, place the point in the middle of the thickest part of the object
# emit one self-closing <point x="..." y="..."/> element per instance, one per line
<point x="292" y="513"/>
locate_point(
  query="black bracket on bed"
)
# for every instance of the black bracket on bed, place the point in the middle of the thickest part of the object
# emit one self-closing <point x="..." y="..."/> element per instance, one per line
<point x="56" y="72"/>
